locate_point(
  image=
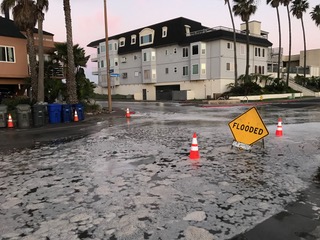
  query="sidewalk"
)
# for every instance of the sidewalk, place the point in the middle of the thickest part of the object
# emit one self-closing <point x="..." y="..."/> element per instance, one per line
<point x="299" y="220"/>
<point x="19" y="138"/>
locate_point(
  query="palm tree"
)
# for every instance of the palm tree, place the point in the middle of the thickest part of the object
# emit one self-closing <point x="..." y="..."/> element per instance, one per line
<point x="41" y="5"/>
<point x="275" y="4"/>
<point x="286" y="4"/>
<point x="315" y="14"/>
<point x="80" y="61"/>
<point x="298" y="8"/>
<point x="25" y="17"/>
<point x="70" y="76"/>
<point x="234" y="44"/>
<point x="244" y="9"/>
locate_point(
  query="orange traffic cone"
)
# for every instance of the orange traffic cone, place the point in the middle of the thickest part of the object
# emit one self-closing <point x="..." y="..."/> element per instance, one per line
<point x="194" y="152"/>
<point x="279" y="128"/>
<point x="10" y="122"/>
<point x="127" y="113"/>
<point x="75" y="118"/>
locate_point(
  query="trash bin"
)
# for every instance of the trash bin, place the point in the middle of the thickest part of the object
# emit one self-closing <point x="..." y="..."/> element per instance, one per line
<point x="39" y="117"/>
<point x="3" y="115"/>
<point x="23" y="115"/>
<point x="54" y="112"/>
<point x="80" y="111"/>
<point x="66" y="113"/>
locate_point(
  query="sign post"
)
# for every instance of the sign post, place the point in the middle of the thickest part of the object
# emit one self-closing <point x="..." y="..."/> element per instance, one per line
<point x="247" y="129"/>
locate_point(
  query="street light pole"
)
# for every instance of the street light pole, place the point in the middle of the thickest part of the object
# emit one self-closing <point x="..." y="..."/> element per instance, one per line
<point x="107" y="57"/>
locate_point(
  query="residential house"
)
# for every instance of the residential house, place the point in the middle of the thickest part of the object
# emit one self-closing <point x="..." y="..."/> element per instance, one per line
<point x="178" y="55"/>
<point x="296" y="63"/>
<point x="14" y="68"/>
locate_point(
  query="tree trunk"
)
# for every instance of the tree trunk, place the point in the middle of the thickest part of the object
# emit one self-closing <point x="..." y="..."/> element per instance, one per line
<point x="247" y="57"/>
<point x="289" y="60"/>
<point x="234" y="47"/>
<point x="41" y="60"/>
<point x="279" y="55"/>
<point x="71" y="80"/>
<point x="304" y="49"/>
<point x="32" y="64"/>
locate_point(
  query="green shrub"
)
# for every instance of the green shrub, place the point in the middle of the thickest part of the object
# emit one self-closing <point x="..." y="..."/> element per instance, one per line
<point x="91" y="107"/>
<point x="13" y="102"/>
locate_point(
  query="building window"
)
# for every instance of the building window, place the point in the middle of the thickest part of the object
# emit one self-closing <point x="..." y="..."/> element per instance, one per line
<point x="124" y="75"/>
<point x="259" y="69"/>
<point x="146" y="56"/>
<point x="103" y="48"/>
<point x="153" y="56"/>
<point x="122" y="42"/>
<point x="203" y="68"/>
<point x="259" y="52"/>
<point x="123" y="59"/>
<point x="133" y="39"/>
<point x="7" y="54"/>
<point x="146" y="74"/>
<point x="102" y="63"/>
<point x="116" y="46"/>
<point x="146" y="36"/>
<point x="146" y="39"/>
<point x="136" y="74"/>
<point x="195" y="50"/>
<point x="195" y="69"/>
<point x="116" y="61"/>
<point x="110" y="46"/>
<point x="154" y="74"/>
<point x="174" y="50"/>
<point x="175" y="69"/>
<point x="185" y="52"/>
<point x="203" y="49"/>
<point x="229" y="66"/>
<point x="230" y="45"/>
<point x="164" y="32"/>
<point x="135" y="57"/>
<point x="167" y="70"/>
<point x="185" y="71"/>
<point x="167" y="52"/>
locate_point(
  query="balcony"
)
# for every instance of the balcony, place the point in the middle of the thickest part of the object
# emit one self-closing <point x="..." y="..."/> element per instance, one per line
<point x="95" y="71"/>
<point x="94" y="57"/>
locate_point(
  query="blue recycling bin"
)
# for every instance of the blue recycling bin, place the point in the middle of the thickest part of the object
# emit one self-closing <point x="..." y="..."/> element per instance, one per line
<point x="66" y="113"/>
<point x="80" y="110"/>
<point x="54" y="112"/>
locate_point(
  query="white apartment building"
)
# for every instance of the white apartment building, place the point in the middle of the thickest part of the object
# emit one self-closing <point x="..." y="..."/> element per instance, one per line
<point x="178" y="55"/>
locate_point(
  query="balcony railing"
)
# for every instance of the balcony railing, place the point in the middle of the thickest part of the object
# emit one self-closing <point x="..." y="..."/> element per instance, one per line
<point x="207" y="30"/>
<point x="292" y="70"/>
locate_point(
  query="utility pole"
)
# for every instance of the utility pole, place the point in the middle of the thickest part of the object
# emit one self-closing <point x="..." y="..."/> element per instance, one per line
<point x="107" y="57"/>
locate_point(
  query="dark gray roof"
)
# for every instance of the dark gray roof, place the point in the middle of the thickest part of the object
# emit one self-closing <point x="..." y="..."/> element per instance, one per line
<point x="9" y="29"/>
<point x="177" y="35"/>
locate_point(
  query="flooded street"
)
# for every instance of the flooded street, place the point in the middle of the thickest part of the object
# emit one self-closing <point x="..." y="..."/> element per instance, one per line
<point x="134" y="179"/>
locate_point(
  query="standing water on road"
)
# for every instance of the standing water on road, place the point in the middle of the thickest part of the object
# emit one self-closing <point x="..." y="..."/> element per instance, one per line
<point x="136" y="181"/>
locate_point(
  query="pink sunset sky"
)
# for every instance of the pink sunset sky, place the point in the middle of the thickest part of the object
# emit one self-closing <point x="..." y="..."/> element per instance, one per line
<point x="126" y="15"/>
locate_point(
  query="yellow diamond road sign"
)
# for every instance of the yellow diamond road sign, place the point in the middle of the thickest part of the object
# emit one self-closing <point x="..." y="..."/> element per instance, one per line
<point x="248" y="128"/>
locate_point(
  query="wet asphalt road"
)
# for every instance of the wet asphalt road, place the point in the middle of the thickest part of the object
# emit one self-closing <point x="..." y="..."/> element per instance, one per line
<point x="134" y="180"/>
